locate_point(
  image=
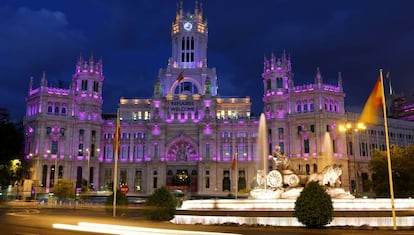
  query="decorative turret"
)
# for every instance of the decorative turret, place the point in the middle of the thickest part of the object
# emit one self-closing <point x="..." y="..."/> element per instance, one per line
<point x="282" y="63"/>
<point x="318" y="76"/>
<point x="158" y="88"/>
<point x="83" y="66"/>
<point x="277" y="75"/>
<point x="207" y="86"/>
<point x="340" y="82"/>
<point x="43" y="81"/>
<point x="31" y="84"/>
<point x="189" y="33"/>
<point x="86" y="86"/>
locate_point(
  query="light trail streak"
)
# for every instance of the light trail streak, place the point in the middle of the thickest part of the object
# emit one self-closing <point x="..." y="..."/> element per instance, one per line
<point x="129" y="230"/>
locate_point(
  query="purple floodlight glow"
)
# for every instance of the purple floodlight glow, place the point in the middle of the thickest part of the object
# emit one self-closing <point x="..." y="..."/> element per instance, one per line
<point x="157" y="103"/>
<point x="156" y="130"/>
<point x="207" y="103"/>
<point x="208" y="130"/>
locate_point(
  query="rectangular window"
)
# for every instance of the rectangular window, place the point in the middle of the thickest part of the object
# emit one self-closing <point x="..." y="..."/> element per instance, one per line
<point x="282" y="147"/>
<point x="81" y="134"/>
<point x="84" y="85"/>
<point x="311" y="107"/>
<point x="123" y="177"/>
<point x="80" y="150"/>
<point x="54" y="146"/>
<point x="155" y="150"/>
<point x="280" y="132"/>
<point x="124" y="152"/>
<point x="306" y="145"/>
<point x="207" y="150"/>
<point x="279" y="82"/>
<point x="138" y="181"/>
<point x="155" y="182"/>
<point x="225" y="152"/>
<point x="108" y="178"/>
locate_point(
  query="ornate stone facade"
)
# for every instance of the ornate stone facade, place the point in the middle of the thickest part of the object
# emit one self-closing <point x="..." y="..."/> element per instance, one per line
<point x="186" y="136"/>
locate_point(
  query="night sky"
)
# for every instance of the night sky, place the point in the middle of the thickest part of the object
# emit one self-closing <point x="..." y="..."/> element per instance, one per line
<point x="133" y="37"/>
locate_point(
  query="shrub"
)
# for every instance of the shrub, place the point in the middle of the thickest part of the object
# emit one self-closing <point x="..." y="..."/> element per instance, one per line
<point x="161" y="205"/>
<point x="121" y="203"/>
<point x="313" y="207"/>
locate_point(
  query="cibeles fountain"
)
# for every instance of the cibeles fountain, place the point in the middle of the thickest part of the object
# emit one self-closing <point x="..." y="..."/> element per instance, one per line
<point x="272" y="199"/>
<point x="282" y="182"/>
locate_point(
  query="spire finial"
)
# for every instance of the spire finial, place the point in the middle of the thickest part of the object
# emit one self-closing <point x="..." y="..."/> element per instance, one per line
<point x="43" y="81"/>
<point x="340" y="80"/>
<point x="318" y="77"/>
<point x="31" y="83"/>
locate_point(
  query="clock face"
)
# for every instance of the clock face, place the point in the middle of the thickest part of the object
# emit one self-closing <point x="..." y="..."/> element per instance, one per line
<point x="188" y="26"/>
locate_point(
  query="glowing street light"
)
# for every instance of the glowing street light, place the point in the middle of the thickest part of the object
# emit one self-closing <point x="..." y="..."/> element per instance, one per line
<point x="352" y="128"/>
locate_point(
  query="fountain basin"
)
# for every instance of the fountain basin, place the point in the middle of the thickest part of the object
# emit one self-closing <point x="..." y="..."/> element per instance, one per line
<point x="279" y="212"/>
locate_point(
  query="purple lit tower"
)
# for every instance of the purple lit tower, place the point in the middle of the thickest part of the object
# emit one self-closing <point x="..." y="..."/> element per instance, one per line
<point x="185" y="136"/>
<point x="63" y="127"/>
<point x="302" y="119"/>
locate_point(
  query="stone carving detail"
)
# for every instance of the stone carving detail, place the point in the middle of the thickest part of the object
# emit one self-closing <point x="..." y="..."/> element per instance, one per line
<point x="329" y="176"/>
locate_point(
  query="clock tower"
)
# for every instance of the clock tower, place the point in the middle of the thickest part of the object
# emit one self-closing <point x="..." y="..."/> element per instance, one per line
<point x="187" y="71"/>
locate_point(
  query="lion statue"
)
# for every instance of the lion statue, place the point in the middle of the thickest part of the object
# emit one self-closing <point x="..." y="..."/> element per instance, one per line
<point x="329" y="176"/>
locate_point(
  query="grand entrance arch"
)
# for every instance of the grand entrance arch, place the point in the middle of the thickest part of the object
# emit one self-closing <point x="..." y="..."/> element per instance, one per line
<point x="182" y="158"/>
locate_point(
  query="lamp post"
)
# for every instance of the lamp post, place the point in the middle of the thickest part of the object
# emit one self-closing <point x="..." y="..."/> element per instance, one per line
<point x="35" y="172"/>
<point x="352" y="128"/>
<point x="88" y="170"/>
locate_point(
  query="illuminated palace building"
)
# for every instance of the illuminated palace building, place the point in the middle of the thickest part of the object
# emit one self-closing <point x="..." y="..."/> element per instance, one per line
<point x="186" y="135"/>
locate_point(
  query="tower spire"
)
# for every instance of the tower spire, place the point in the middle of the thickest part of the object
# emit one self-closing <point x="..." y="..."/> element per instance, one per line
<point x="43" y="81"/>
<point x="318" y="77"/>
<point x="31" y="83"/>
<point x="388" y="76"/>
<point x="340" y="81"/>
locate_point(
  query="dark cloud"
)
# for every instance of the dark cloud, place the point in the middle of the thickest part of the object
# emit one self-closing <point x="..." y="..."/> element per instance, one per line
<point x="33" y="41"/>
<point x="133" y="38"/>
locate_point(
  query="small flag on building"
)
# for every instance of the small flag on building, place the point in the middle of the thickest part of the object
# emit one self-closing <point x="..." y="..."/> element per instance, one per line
<point x="234" y="163"/>
<point x="180" y="76"/>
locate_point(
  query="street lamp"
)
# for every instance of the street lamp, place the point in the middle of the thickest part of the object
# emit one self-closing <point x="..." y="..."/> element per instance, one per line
<point x="55" y="180"/>
<point x="88" y="153"/>
<point x="352" y="128"/>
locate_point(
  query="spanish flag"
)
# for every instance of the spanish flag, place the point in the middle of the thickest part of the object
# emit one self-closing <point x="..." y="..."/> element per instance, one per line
<point x="374" y="104"/>
<point x="234" y="163"/>
<point x="180" y="76"/>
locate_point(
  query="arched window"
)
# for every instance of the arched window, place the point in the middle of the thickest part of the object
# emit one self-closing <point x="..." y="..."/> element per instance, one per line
<point x="186" y="88"/>
<point x="268" y="85"/>
<point x="279" y="82"/>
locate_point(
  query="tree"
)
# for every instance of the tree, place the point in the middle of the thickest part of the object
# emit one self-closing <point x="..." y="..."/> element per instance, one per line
<point x="402" y="163"/>
<point x="11" y="142"/>
<point x="64" y="189"/>
<point x="161" y="205"/>
<point x="313" y="207"/>
<point x="11" y="149"/>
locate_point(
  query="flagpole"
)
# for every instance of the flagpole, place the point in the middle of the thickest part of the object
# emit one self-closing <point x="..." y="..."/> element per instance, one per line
<point x="116" y="145"/>
<point x="236" y="172"/>
<point x="384" y="107"/>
